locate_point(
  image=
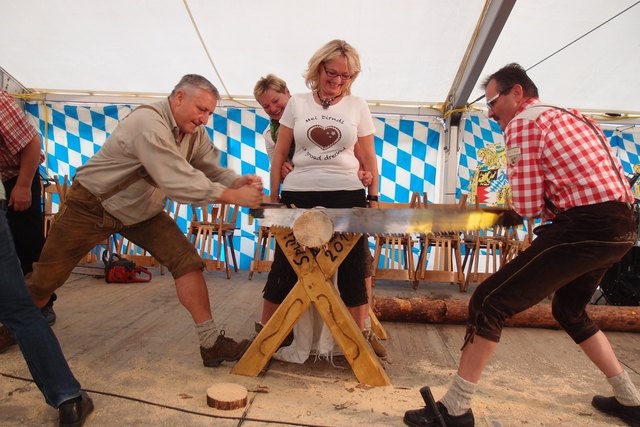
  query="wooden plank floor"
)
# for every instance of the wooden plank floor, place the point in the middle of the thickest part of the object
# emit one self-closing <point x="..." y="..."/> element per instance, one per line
<point x="135" y="349"/>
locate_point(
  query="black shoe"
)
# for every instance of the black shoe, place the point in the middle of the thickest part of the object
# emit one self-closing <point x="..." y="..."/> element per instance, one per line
<point x="611" y="406"/>
<point x="6" y="339"/>
<point x="436" y="415"/>
<point x="47" y="310"/>
<point x="223" y="350"/>
<point x="74" y="413"/>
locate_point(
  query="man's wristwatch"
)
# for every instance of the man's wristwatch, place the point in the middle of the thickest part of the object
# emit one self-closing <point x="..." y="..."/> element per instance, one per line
<point x="372" y="198"/>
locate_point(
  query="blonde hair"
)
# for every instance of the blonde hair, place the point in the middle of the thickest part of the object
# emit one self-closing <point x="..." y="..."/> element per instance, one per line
<point x="329" y="51"/>
<point x="271" y="81"/>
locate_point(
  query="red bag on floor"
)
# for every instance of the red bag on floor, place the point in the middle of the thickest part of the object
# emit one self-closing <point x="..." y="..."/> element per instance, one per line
<point x="121" y="270"/>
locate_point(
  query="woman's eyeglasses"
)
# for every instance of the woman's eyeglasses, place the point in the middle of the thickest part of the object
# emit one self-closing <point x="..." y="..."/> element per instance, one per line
<point x="333" y="74"/>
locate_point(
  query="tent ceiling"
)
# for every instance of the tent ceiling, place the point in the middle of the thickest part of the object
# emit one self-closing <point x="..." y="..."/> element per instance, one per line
<point x="411" y="50"/>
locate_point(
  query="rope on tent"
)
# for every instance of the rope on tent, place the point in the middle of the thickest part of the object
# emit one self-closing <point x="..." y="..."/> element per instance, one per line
<point x="570" y="43"/>
<point x="584" y="35"/>
<point x="204" y="46"/>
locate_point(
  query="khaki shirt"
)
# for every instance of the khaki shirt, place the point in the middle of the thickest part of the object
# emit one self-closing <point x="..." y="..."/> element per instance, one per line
<point x="147" y="138"/>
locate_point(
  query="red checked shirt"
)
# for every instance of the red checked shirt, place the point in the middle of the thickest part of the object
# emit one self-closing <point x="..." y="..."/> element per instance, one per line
<point x="558" y="156"/>
<point x="15" y="133"/>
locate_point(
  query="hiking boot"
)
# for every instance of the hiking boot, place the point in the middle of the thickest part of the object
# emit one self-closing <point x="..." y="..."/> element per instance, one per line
<point x="436" y="414"/>
<point x="611" y="406"/>
<point x="223" y="350"/>
<point x="47" y="310"/>
<point x="375" y="343"/>
<point x="6" y="339"/>
<point x="288" y="340"/>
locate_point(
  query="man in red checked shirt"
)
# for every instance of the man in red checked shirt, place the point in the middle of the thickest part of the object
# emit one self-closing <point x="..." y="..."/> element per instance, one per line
<point x="561" y="168"/>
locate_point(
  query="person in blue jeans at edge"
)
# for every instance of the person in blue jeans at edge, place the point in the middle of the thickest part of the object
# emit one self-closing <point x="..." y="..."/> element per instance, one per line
<point x="35" y="338"/>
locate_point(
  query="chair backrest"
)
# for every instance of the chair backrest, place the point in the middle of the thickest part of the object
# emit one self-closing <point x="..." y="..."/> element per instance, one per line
<point x="223" y="216"/>
<point x="462" y="203"/>
<point x="393" y="205"/>
<point x="54" y="187"/>
<point x="227" y="215"/>
<point x="50" y="190"/>
<point x="417" y="199"/>
<point x="174" y="208"/>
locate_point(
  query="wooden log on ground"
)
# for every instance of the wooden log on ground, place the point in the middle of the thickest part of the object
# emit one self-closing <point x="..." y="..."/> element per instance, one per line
<point x="227" y="396"/>
<point x="427" y="310"/>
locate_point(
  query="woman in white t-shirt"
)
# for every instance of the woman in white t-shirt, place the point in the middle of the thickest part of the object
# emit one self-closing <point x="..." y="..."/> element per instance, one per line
<point x="327" y="125"/>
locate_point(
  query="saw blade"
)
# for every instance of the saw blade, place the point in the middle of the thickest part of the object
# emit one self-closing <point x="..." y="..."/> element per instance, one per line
<point x="390" y="221"/>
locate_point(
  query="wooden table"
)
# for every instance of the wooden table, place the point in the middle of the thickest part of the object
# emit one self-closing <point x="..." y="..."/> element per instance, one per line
<point x="314" y="286"/>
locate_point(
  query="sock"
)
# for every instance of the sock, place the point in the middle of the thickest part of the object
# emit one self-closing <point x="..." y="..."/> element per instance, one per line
<point x="625" y="392"/>
<point x="73" y="400"/>
<point x="457" y="400"/>
<point x="207" y="333"/>
<point x="367" y="323"/>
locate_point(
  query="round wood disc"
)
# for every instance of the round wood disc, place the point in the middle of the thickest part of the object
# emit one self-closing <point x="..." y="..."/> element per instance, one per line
<point x="313" y="228"/>
<point x="227" y="396"/>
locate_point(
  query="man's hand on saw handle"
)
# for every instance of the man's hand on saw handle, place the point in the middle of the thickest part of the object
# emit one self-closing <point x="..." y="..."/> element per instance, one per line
<point x="510" y="218"/>
<point x="245" y="191"/>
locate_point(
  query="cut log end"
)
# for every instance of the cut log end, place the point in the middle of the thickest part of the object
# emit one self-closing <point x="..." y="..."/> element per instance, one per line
<point x="313" y="228"/>
<point x="227" y="396"/>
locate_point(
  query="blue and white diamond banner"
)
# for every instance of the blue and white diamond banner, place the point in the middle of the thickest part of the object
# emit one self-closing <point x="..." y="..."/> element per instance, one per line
<point x="409" y="151"/>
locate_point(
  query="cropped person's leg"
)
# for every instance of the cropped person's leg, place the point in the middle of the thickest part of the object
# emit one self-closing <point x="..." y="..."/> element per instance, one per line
<point x="37" y="342"/>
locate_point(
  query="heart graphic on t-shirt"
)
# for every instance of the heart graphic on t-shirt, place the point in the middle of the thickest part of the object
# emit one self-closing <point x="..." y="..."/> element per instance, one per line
<point x="324" y="137"/>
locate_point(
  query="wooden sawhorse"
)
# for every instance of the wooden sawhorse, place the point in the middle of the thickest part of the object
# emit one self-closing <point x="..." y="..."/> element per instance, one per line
<point x="314" y="286"/>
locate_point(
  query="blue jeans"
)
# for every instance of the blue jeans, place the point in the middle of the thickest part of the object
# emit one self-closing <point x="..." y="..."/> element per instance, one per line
<point x="37" y="341"/>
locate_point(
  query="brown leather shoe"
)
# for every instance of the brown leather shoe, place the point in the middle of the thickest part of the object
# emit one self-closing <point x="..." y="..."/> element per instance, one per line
<point x="6" y="339"/>
<point x="223" y="350"/>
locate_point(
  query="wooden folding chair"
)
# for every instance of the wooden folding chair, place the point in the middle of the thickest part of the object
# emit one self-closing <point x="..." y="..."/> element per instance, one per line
<point x="515" y="245"/>
<point x="263" y="254"/>
<point x="493" y="242"/>
<point x="440" y="258"/>
<point x="215" y="223"/>
<point x="393" y="254"/>
<point x="53" y="192"/>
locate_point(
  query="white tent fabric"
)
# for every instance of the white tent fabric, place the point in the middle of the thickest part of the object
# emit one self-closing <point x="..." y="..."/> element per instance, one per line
<point x="411" y="50"/>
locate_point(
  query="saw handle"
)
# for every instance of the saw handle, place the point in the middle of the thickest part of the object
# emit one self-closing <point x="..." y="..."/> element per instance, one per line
<point x="259" y="212"/>
<point x="510" y="218"/>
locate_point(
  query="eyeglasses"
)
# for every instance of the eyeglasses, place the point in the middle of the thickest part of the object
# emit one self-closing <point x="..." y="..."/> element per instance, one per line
<point x="333" y="74"/>
<point x="492" y="102"/>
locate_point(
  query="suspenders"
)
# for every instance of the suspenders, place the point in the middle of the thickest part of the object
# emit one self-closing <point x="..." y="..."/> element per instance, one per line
<point x="536" y="110"/>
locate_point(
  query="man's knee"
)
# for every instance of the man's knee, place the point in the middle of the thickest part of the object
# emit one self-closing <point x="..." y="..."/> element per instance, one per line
<point x="485" y="320"/>
<point x="578" y="325"/>
<point x="185" y="265"/>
